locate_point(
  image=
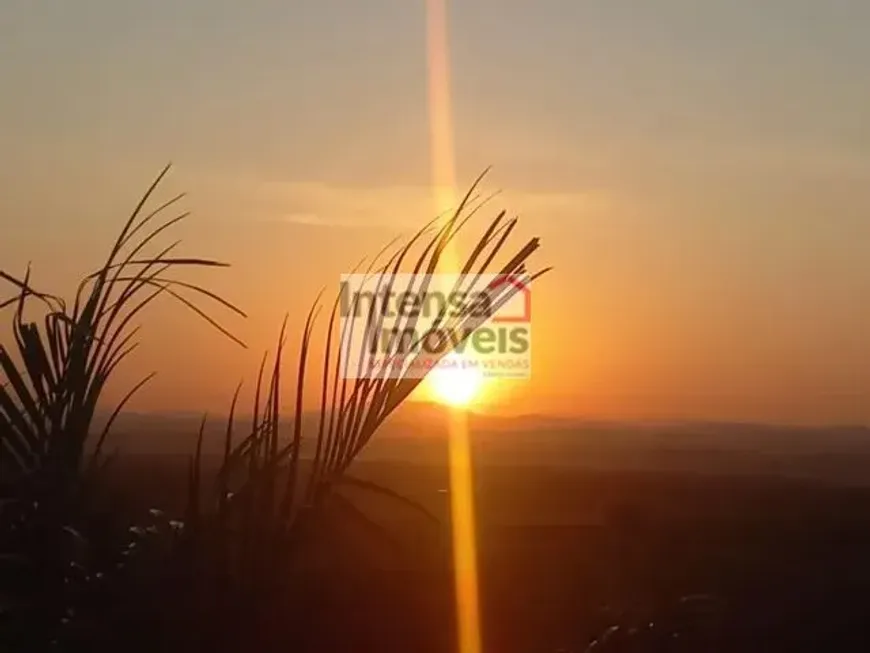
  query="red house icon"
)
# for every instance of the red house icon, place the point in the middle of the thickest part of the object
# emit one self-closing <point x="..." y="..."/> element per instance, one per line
<point x="522" y="288"/>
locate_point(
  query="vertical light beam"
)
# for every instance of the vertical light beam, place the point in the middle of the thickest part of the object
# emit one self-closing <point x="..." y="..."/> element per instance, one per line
<point x="440" y="107"/>
<point x="461" y="473"/>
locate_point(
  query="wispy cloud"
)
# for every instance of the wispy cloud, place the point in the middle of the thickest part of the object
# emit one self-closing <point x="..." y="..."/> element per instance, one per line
<point x="315" y="220"/>
<point x="323" y="204"/>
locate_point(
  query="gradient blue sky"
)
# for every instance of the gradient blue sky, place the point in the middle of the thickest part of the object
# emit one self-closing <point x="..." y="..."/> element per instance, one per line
<point x="699" y="173"/>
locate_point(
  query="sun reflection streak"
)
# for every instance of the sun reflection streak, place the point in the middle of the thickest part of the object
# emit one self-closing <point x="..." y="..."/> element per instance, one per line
<point x="461" y="472"/>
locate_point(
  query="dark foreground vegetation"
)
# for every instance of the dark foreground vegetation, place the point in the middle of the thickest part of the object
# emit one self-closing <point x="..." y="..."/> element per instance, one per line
<point x="569" y="557"/>
<point x="236" y="568"/>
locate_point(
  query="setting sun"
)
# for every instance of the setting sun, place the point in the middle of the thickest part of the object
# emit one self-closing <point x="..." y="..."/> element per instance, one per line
<point x="455" y="386"/>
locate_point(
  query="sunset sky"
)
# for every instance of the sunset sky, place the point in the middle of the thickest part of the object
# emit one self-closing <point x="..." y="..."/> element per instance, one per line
<point x="698" y="172"/>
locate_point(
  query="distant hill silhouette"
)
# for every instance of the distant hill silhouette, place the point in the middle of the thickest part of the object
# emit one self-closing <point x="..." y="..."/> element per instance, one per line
<point x="416" y="433"/>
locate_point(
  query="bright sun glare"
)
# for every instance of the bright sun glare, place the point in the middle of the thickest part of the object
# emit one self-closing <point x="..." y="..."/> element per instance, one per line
<point x="456" y="386"/>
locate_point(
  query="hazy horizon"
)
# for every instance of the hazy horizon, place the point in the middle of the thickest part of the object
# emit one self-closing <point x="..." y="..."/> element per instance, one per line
<point x="699" y="177"/>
